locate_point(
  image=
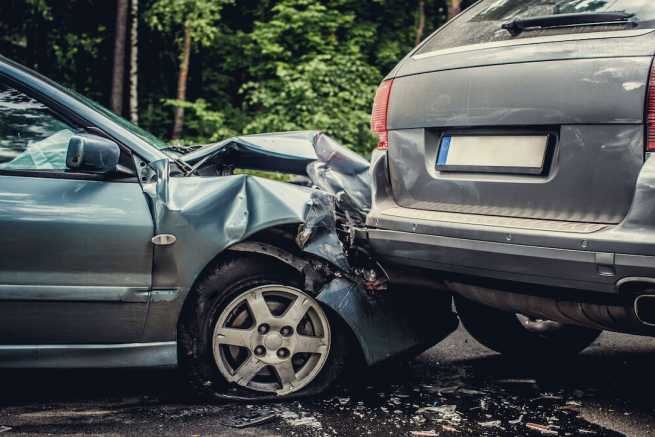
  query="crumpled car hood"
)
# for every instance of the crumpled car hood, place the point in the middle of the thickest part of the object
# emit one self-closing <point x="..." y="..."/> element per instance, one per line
<point x="330" y="166"/>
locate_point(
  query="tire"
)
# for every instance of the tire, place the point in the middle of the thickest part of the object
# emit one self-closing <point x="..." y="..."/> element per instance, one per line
<point x="507" y="334"/>
<point x="218" y="314"/>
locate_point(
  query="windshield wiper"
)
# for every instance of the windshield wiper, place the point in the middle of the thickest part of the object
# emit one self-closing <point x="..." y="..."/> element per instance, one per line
<point x="515" y="27"/>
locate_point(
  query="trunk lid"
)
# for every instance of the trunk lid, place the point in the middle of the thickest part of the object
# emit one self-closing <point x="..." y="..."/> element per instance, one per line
<point x="583" y="93"/>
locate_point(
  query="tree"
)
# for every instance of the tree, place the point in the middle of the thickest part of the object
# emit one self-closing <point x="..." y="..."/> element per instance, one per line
<point x="455" y="8"/>
<point x="193" y="22"/>
<point x="118" y="75"/>
<point x="420" y="28"/>
<point x="134" y="63"/>
<point x="309" y="72"/>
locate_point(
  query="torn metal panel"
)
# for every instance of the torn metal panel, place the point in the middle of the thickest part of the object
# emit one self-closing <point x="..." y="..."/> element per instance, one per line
<point x="330" y="166"/>
<point x="288" y="152"/>
<point x="345" y="174"/>
<point x="392" y="323"/>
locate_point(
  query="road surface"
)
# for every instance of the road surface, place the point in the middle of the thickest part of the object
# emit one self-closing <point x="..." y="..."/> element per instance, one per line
<point x="457" y="388"/>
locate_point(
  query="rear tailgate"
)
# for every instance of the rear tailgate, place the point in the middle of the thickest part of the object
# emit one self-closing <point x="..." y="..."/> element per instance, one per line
<point x="582" y="95"/>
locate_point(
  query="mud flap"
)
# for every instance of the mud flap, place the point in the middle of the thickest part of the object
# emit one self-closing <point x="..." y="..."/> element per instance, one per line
<point x="390" y="324"/>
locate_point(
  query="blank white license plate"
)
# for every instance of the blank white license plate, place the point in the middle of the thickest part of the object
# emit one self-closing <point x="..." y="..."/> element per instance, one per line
<point x="518" y="154"/>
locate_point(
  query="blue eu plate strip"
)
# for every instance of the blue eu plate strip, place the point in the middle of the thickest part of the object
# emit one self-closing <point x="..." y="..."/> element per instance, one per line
<point x="442" y="159"/>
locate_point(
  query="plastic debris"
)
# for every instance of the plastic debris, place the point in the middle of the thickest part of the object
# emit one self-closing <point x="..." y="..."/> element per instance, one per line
<point x="541" y="428"/>
<point x="491" y="424"/>
<point x="517" y="381"/>
<point x="5" y="428"/>
<point x="424" y="433"/>
<point x="251" y="419"/>
<point x="446" y="413"/>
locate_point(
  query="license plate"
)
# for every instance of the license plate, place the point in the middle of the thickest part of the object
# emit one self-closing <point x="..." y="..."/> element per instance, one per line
<point x="517" y="154"/>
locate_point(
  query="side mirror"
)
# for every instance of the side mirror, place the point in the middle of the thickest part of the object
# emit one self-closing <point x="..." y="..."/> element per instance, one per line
<point x="92" y="154"/>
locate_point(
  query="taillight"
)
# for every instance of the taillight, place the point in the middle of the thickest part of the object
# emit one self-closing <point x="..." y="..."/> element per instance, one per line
<point x="650" y="115"/>
<point x="379" y="114"/>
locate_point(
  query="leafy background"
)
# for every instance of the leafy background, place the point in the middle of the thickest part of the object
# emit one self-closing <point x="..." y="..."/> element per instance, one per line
<point x="254" y="65"/>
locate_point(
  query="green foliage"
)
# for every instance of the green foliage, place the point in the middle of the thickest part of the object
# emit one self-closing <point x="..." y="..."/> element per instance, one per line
<point x="203" y="124"/>
<point x="258" y="65"/>
<point x="200" y="16"/>
<point x="311" y="73"/>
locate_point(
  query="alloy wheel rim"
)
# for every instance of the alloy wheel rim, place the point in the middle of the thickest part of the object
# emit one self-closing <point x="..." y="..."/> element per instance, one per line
<point x="272" y="338"/>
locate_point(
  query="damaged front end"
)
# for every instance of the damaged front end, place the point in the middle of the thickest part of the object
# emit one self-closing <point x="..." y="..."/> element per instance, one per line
<point x="312" y="222"/>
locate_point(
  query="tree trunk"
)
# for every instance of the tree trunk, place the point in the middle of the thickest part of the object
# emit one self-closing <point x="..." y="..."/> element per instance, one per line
<point x="119" y="57"/>
<point x="455" y="8"/>
<point x="181" y="83"/>
<point x="134" y="63"/>
<point x="420" y="28"/>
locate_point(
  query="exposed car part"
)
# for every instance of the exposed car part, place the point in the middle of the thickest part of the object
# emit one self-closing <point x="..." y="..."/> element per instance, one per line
<point x="645" y="309"/>
<point x="519" y="335"/>
<point x="328" y="165"/>
<point x="519" y="25"/>
<point x="613" y="313"/>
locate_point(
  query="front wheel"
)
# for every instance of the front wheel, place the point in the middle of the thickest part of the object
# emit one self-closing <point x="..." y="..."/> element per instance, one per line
<point x="249" y="331"/>
<point x="518" y="335"/>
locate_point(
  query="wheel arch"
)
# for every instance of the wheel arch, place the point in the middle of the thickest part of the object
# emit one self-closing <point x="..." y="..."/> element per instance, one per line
<point x="277" y="244"/>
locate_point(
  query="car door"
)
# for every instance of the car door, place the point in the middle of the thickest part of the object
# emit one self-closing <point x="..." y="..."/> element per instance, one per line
<point x="75" y="249"/>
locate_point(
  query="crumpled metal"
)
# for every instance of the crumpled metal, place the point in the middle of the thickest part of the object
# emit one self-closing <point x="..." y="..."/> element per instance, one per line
<point x="343" y="173"/>
<point x="330" y="166"/>
<point x="209" y="214"/>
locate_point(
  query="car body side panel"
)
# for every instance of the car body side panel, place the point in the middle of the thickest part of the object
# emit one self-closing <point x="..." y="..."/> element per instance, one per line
<point x="76" y="261"/>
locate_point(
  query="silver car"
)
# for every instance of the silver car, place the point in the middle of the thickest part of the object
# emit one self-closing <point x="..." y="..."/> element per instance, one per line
<point x="515" y="168"/>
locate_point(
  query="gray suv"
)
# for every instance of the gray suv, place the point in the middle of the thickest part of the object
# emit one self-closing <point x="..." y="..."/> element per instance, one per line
<point x="514" y="167"/>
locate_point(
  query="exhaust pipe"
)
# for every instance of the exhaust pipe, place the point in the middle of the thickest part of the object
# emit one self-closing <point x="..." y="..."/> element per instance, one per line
<point x="632" y="316"/>
<point x="645" y="309"/>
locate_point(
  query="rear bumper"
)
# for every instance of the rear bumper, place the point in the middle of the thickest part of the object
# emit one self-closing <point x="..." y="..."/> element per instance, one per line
<point x="555" y="254"/>
<point x="547" y="266"/>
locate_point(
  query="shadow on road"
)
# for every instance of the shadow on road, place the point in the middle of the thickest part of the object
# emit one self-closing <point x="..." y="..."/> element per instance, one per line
<point x="443" y="390"/>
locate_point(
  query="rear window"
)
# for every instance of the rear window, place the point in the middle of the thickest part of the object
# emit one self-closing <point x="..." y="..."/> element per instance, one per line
<point x="482" y="22"/>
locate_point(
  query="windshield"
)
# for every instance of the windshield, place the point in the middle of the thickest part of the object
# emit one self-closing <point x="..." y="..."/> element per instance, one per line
<point x="482" y="22"/>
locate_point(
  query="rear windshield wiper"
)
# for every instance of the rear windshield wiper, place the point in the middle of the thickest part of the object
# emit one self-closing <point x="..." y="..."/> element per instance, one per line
<point x="515" y="27"/>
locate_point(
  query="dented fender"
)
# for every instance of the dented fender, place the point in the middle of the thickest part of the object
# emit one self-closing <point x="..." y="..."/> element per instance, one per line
<point x="202" y="217"/>
<point x="384" y="325"/>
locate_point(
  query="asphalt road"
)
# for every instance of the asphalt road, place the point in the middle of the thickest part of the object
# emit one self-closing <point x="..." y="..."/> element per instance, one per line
<point x="457" y="388"/>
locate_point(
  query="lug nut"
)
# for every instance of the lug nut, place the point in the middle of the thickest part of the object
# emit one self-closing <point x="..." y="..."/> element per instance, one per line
<point x="263" y="328"/>
<point x="260" y="350"/>
<point x="283" y="353"/>
<point x="286" y="331"/>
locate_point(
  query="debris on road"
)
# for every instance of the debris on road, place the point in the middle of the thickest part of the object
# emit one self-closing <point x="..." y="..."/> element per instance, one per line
<point x="541" y="428"/>
<point x="430" y="433"/>
<point x="517" y="381"/>
<point x="250" y="419"/>
<point x="491" y="424"/>
<point x="444" y="413"/>
<point x="5" y="428"/>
